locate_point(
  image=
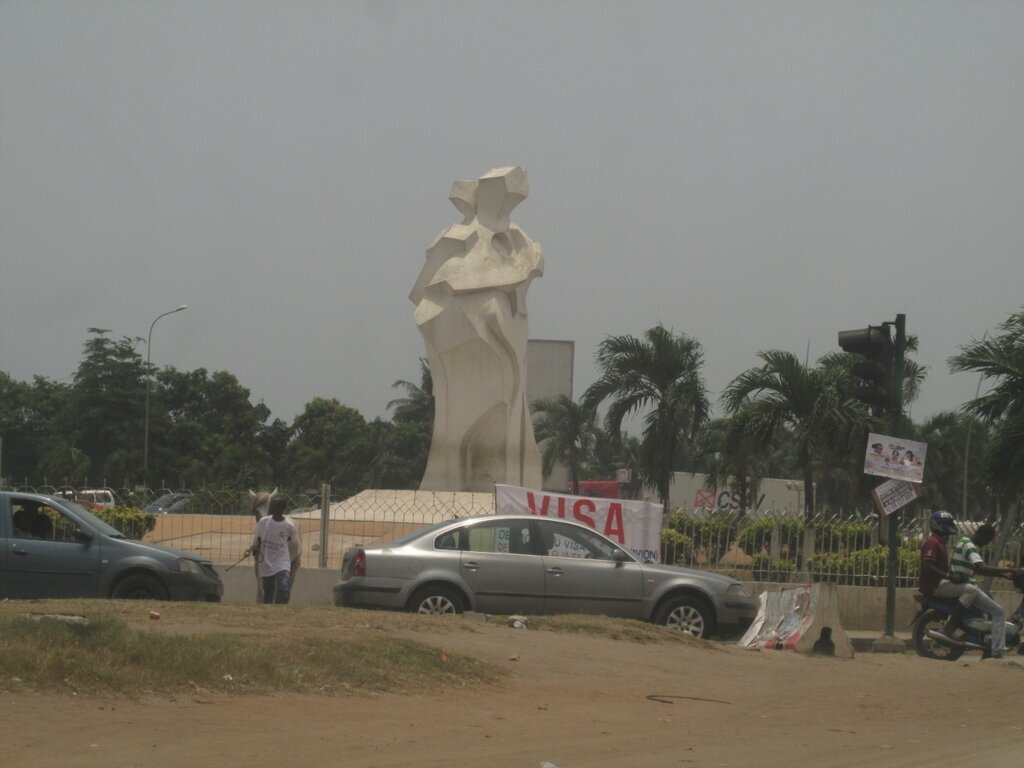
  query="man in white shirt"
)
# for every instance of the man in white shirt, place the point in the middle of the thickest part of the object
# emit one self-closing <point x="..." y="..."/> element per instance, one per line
<point x="964" y="563"/>
<point x="273" y="543"/>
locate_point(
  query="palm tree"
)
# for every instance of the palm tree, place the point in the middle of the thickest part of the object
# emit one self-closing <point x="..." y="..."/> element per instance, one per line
<point x="660" y="375"/>
<point x="810" y="402"/>
<point x="1000" y="358"/>
<point x="417" y="406"/>
<point x="946" y="435"/>
<point x="732" y="458"/>
<point x="914" y="374"/>
<point x="566" y="432"/>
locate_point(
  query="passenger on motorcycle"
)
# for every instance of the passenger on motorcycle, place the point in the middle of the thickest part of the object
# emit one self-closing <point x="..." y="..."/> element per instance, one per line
<point x="955" y="580"/>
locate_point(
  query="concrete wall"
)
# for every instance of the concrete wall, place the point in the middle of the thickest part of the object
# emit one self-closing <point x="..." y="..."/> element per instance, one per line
<point x="860" y="608"/>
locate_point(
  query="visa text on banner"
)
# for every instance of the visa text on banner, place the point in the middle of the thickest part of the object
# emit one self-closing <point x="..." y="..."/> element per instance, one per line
<point x="635" y="525"/>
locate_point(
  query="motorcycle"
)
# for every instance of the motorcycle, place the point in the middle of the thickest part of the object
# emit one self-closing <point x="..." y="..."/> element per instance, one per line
<point x="973" y="633"/>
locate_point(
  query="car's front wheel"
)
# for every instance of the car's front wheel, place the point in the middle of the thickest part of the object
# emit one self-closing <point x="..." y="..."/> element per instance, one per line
<point x="687" y="614"/>
<point x="436" y="599"/>
<point x="139" y="586"/>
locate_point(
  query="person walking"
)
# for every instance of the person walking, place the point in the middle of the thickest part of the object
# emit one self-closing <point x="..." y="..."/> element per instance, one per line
<point x="273" y="544"/>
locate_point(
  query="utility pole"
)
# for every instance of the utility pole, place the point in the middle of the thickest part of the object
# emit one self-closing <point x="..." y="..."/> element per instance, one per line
<point x="880" y="375"/>
<point x="898" y="428"/>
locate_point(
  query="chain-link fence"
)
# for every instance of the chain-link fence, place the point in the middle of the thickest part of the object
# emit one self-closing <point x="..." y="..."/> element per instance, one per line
<point x="775" y="547"/>
<point x="219" y="523"/>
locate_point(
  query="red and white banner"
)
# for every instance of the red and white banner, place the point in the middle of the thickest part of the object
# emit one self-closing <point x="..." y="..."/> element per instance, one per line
<point x="635" y="525"/>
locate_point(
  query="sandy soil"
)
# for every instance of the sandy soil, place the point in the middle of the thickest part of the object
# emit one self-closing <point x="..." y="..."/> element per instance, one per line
<point x="572" y="701"/>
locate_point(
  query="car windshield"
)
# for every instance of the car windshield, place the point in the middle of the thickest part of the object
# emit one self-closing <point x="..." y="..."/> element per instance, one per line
<point x="104" y="528"/>
<point x="163" y="501"/>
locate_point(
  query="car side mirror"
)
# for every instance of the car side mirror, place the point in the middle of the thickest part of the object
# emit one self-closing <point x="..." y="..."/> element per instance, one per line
<point x="82" y="536"/>
<point x="619" y="556"/>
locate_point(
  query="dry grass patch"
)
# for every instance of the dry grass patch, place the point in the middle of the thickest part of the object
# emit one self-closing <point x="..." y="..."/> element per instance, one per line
<point x="253" y="649"/>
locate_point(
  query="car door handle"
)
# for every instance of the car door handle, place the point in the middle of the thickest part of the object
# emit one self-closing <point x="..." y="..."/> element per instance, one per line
<point x="471" y="565"/>
<point x="18" y="550"/>
<point x="554" y="571"/>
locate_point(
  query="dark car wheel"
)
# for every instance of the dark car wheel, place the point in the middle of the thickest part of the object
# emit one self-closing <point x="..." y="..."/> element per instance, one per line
<point x="140" y="587"/>
<point x="687" y="614"/>
<point x="436" y="599"/>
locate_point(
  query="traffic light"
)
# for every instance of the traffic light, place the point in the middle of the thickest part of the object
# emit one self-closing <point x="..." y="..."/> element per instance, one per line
<point x="876" y="369"/>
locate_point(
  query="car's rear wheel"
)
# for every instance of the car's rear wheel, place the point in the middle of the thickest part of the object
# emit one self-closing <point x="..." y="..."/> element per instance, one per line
<point x="687" y="614"/>
<point x="437" y="599"/>
<point x="140" y="586"/>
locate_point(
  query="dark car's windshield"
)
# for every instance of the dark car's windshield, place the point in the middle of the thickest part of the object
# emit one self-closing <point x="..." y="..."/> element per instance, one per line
<point x="105" y="528"/>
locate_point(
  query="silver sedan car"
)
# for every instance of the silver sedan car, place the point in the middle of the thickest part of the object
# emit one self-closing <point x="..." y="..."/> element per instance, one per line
<point x="521" y="564"/>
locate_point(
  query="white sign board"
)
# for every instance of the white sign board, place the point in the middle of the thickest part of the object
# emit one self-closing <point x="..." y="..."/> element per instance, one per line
<point x="895" y="457"/>
<point x="893" y="494"/>
<point x="633" y="524"/>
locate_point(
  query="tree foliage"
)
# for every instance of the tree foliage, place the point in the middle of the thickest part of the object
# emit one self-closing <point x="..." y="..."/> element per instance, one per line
<point x="567" y="433"/>
<point x="810" y="402"/>
<point x="1000" y="359"/>
<point x="660" y="376"/>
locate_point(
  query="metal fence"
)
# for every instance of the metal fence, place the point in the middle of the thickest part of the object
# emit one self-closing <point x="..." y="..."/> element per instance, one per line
<point x="775" y="547"/>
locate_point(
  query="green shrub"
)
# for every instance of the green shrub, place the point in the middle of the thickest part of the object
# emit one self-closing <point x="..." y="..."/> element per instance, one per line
<point x="844" y="536"/>
<point x="766" y="568"/>
<point x="711" y="536"/>
<point x="676" y="547"/>
<point x="757" y="537"/>
<point x="865" y="567"/>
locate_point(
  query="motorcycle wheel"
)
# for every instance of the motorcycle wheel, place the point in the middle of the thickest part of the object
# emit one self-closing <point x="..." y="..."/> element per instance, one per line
<point x="925" y="646"/>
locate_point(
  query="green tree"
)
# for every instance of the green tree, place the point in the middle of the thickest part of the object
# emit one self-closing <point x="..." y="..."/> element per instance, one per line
<point x="946" y="436"/>
<point x="108" y="401"/>
<point x="204" y="430"/>
<point x="399" y="454"/>
<point x="331" y="444"/>
<point x="1000" y="359"/>
<point x="567" y="433"/>
<point x="32" y="423"/>
<point x="658" y="375"/>
<point x="417" y="407"/>
<point x="403" y="445"/>
<point x="732" y="457"/>
<point x="914" y="373"/>
<point x="810" y="402"/>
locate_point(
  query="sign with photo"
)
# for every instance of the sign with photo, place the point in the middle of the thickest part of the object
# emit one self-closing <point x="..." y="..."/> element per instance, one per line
<point x="895" y="457"/>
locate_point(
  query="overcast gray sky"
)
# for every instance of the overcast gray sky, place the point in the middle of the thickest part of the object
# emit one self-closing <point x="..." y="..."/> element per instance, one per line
<point x="755" y="174"/>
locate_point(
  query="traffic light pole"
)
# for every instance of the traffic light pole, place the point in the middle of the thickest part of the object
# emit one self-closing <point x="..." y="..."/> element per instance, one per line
<point x="893" y="561"/>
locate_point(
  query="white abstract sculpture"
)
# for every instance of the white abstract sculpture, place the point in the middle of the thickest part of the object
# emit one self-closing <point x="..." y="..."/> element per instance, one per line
<point x="471" y="309"/>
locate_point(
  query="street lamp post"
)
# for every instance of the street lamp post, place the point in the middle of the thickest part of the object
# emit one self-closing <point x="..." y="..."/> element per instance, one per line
<point x="149" y="377"/>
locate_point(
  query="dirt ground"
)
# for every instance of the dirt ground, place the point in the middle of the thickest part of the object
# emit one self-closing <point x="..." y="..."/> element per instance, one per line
<point x="571" y="701"/>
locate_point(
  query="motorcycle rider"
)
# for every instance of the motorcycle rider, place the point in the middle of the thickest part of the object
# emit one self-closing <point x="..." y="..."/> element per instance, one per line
<point x="934" y="568"/>
<point x="964" y="563"/>
<point x="938" y="579"/>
